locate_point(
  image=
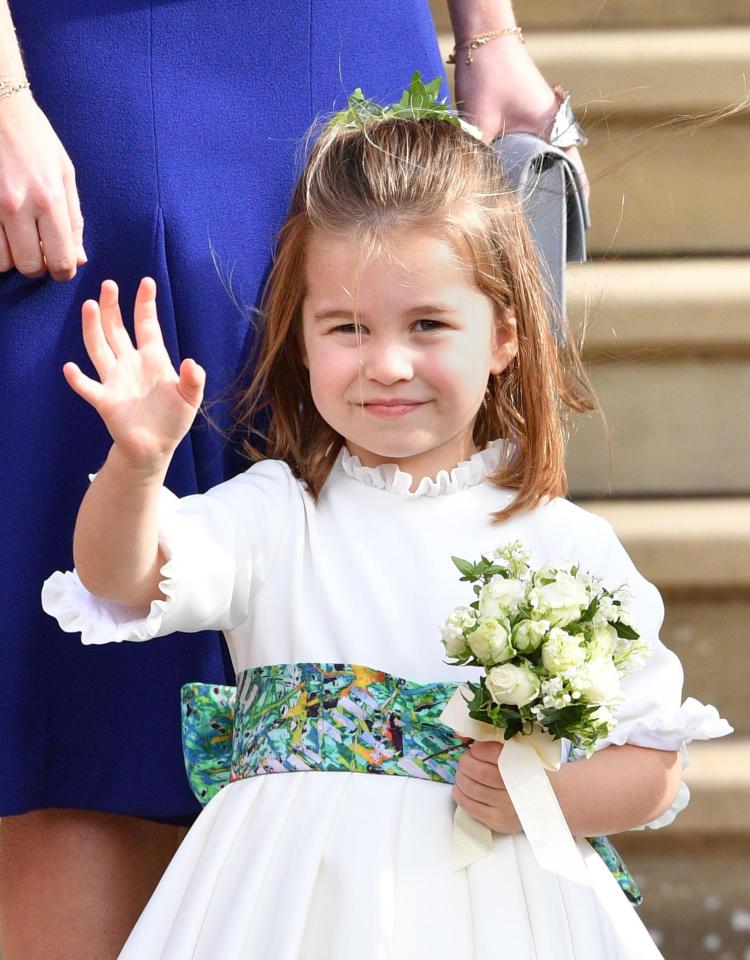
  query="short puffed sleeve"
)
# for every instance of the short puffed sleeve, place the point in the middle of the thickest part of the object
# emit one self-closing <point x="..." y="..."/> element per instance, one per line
<point x="219" y="547"/>
<point x="652" y="713"/>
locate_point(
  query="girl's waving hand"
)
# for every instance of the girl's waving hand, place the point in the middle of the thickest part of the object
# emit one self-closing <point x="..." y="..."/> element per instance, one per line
<point x="146" y="405"/>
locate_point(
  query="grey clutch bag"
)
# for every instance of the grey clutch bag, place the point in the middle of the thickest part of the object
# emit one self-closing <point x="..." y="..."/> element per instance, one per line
<point x="551" y="194"/>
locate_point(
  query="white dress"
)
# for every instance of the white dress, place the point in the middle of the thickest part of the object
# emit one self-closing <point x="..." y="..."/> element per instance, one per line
<point x="326" y="865"/>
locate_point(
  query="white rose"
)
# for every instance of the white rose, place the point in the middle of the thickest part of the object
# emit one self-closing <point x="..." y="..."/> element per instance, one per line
<point x="561" y="651"/>
<point x="562" y="601"/>
<point x="599" y="681"/>
<point x="500" y="597"/>
<point x="528" y="634"/>
<point x="603" y="640"/>
<point x="512" y="684"/>
<point x="490" y="642"/>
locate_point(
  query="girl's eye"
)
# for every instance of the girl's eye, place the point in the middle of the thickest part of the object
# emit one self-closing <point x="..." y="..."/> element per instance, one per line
<point x="429" y="326"/>
<point x="354" y="329"/>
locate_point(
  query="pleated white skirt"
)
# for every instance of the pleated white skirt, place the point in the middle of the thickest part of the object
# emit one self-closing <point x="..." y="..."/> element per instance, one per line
<point x="326" y="866"/>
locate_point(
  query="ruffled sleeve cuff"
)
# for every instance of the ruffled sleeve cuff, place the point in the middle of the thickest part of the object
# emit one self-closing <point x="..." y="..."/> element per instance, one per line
<point x="100" y="621"/>
<point x="671" y="730"/>
<point x="198" y="580"/>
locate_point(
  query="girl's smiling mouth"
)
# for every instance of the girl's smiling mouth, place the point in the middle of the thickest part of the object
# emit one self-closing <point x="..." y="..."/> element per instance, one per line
<point x="390" y="408"/>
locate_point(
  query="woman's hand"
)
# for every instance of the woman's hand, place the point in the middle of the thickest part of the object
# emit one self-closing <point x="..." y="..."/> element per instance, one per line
<point x="147" y="407"/>
<point x="41" y="227"/>
<point x="480" y="791"/>
<point x="502" y="91"/>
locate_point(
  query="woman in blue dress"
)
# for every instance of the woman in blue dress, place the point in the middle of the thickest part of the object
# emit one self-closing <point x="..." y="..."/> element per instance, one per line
<point x="177" y="125"/>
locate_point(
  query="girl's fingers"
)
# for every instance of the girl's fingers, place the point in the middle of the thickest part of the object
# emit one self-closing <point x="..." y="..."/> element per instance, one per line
<point x="84" y="386"/>
<point x="114" y="329"/>
<point x="492" y="796"/>
<point x="487" y="750"/>
<point x="99" y="351"/>
<point x="480" y="770"/>
<point x="147" y="329"/>
<point x="192" y="382"/>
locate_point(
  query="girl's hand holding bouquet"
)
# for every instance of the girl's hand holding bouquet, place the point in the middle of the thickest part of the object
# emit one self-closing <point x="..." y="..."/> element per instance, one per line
<point x="553" y="644"/>
<point x="146" y="405"/>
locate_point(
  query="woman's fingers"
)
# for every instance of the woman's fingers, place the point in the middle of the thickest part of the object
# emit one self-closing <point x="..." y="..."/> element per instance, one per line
<point x="114" y="329"/>
<point x="192" y="382"/>
<point x="57" y="240"/>
<point x="91" y="391"/>
<point x="99" y="351"/>
<point x="74" y="210"/>
<point x="6" y="260"/>
<point x="146" y="318"/>
<point x="23" y="239"/>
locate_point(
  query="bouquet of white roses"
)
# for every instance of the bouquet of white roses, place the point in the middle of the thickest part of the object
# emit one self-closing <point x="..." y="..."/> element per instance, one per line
<point x="553" y="642"/>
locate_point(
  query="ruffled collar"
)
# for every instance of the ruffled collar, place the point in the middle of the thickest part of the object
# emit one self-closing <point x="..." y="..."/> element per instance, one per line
<point x="389" y="478"/>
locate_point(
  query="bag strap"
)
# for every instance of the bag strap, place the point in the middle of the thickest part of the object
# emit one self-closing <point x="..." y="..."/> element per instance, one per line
<point x="551" y="194"/>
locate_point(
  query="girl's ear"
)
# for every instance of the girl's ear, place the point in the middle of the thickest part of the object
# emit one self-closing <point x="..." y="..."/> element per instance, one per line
<point x="505" y="346"/>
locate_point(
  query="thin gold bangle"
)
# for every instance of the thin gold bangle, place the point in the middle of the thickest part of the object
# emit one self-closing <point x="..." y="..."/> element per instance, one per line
<point x="479" y="41"/>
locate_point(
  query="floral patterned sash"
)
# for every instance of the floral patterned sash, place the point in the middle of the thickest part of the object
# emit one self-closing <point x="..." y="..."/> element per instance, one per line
<point x="325" y="716"/>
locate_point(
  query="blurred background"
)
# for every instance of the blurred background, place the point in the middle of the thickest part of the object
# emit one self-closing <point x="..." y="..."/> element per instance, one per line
<point x="666" y="297"/>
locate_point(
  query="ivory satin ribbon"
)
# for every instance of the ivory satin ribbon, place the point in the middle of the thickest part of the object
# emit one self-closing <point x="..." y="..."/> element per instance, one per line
<point x="523" y="764"/>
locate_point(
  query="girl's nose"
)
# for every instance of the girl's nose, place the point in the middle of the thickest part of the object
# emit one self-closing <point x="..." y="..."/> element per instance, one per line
<point x="388" y="363"/>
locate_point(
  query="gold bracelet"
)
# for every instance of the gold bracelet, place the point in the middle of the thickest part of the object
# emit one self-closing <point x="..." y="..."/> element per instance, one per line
<point x="480" y="39"/>
<point x="7" y="87"/>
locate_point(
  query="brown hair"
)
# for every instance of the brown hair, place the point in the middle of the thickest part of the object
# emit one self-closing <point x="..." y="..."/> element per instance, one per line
<point x="388" y="173"/>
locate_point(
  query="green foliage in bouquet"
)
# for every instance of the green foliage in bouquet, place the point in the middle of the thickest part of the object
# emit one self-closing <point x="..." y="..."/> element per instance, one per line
<point x="553" y="643"/>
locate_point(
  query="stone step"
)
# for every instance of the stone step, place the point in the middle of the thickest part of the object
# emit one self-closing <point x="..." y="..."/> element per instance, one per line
<point x="676" y="426"/>
<point x="667" y="175"/>
<point x="598" y="15"/>
<point x="695" y="892"/>
<point x="718" y="776"/>
<point x="693" y="874"/>
<point x="709" y="634"/>
<point x="697" y="552"/>
<point x="684" y="545"/>
<point x="661" y="308"/>
<point x="667" y="343"/>
<point x="656" y="72"/>
<point x="719" y="780"/>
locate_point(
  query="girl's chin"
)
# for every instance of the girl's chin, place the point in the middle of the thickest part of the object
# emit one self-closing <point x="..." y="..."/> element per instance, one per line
<point x="430" y="454"/>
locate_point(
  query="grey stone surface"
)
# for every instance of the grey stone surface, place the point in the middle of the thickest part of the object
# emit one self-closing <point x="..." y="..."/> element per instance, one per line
<point x="660" y="308"/>
<point x="608" y="14"/>
<point x="676" y="427"/>
<point x="711" y="636"/>
<point x="696" y="894"/>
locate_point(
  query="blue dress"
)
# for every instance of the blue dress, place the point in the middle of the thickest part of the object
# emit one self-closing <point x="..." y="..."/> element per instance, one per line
<point x="183" y="119"/>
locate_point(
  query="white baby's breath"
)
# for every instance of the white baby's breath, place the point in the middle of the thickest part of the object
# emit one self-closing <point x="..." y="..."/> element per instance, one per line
<point x="454" y="640"/>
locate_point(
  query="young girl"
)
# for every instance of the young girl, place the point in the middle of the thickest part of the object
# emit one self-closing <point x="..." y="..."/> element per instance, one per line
<point x="414" y="394"/>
